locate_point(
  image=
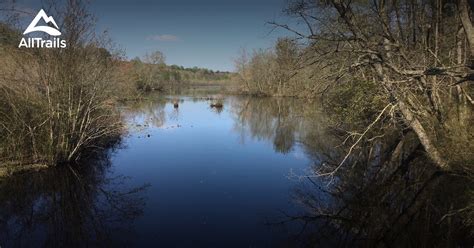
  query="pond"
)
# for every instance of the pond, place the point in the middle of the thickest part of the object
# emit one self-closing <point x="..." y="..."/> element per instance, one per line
<point x="215" y="177"/>
<point x="192" y="173"/>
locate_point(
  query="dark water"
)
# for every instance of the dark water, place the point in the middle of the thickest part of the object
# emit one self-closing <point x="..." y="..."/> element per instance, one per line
<point x="238" y="176"/>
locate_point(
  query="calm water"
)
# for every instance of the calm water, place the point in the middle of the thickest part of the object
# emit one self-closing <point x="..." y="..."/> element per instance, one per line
<point x="214" y="182"/>
<point x="191" y="176"/>
<point x="238" y="176"/>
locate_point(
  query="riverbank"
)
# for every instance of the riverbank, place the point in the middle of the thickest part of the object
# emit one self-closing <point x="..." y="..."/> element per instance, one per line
<point x="10" y="169"/>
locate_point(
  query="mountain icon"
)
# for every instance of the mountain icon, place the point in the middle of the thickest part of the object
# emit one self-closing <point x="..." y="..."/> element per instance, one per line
<point x="47" y="19"/>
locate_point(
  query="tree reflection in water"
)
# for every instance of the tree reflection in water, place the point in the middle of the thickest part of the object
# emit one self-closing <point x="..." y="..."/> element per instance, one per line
<point x="273" y="119"/>
<point x="69" y="206"/>
<point x="387" y="194"/>
<point x="382" y="200"/>
<point x="147" y="111"/>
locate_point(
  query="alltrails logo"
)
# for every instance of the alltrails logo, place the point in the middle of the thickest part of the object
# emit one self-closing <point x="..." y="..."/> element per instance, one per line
<point x="40" y="42"/>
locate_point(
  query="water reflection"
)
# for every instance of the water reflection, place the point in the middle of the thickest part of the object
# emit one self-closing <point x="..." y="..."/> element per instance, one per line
<point x="236" y="166"/>
<point x="146" y="112"/>
<point x="208" y="186"/>
<point x="66" y="206"/>
<point x="388" y="195"/>
<point x="278" y="120"/>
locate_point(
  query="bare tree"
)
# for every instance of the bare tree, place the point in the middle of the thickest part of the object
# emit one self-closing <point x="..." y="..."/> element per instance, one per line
<point x="58" y="102"/>
<point x="406" y="48"/>
<point x="155" y="58"/>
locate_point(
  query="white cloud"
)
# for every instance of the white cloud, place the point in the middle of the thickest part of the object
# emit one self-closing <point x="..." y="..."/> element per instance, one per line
<point x="163" y="37"/>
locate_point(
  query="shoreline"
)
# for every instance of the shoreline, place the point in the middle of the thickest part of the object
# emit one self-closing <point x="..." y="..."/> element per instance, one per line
<point x="9" y="169"/>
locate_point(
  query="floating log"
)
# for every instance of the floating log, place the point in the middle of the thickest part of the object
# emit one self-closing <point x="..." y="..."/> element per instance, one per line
<point x="217" y="105"/>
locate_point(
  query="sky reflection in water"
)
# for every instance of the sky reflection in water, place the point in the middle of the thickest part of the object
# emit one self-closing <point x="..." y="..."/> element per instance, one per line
<point x="214" y="179"/>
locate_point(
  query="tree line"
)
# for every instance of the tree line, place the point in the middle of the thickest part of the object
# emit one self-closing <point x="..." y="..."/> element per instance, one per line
<point x="151" y="73"/>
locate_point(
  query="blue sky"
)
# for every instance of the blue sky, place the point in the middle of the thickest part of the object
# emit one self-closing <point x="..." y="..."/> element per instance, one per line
<point x="203" y="33"/>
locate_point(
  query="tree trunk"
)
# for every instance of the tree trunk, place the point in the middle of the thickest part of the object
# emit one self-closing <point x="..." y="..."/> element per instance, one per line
<point x="464" y="11"/>
<point x="416" y="126"/>
<point x="413" y="122"/>
<point x="459" y="41"/>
